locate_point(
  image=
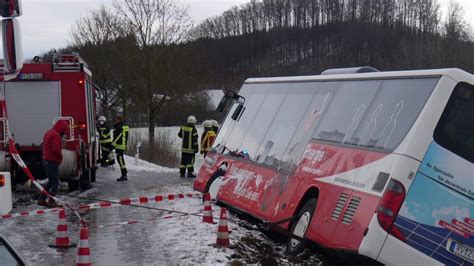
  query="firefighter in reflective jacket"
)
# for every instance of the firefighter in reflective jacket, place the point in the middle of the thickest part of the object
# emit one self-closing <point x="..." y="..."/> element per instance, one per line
<point x="207" y="138"/>
<point x="215" y="126"/>
<point x="120" y="144"/>
<point x="105" y="140"/>
<point x="189" y="147"/>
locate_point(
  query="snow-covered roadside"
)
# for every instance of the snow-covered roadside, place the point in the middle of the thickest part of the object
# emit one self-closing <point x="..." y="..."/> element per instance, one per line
<point x="179" y="240"/>
<point x="140" y="165"/>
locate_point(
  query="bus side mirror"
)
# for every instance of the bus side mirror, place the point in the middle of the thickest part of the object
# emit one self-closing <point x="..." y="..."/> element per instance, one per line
<point x="12" y="48"/>
<point x="10" y="8"/>
<point x="228" y="96"/>
<point x="222" y="104"/>
<point x="238" y="112"/>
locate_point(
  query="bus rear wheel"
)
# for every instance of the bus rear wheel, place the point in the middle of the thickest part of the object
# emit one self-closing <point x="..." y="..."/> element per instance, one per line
<point x="300" y="226"/>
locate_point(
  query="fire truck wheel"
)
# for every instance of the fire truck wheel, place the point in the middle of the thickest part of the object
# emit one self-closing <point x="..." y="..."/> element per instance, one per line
<point x="93" y="172"/>
<point x="299" y="227"/>
<point x="73" y="185"/>
<point x="85" y="181"/>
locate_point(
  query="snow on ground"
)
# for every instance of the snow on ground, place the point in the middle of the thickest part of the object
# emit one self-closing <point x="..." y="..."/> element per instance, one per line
<point x="134" y="164"/>
<point x="182" y="240"/>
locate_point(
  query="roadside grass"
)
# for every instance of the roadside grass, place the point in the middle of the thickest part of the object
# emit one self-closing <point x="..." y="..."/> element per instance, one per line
<point x="164" y="154"/>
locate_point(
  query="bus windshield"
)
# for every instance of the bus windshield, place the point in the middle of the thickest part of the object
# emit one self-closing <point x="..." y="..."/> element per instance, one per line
<point x="455" y="130"/>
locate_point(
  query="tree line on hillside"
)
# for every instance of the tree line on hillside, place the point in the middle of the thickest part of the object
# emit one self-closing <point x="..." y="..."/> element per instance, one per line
<point x="295" y="37"/>
<point x="149" y="59"/>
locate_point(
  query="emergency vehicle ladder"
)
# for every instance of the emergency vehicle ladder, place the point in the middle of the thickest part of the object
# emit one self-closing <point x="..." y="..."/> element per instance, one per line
<point x="68" y="63"/>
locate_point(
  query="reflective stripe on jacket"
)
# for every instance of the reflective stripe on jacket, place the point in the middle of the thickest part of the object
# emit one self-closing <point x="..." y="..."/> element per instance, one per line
<point x="189" y="135"/>
<point x="105" y="136"/>
<point x="120" y="136"/>
<point x="207" y="140"/>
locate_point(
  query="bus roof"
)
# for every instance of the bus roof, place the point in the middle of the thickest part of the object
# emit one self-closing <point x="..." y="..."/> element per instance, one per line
<point x="454" y="73"/>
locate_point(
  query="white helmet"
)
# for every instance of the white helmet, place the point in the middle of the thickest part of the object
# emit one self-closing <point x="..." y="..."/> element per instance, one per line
<point x="192" y="119"/>
<point x="214" y="123"/>
<point x="102" y="119"/>
<point x="207" y="123"/>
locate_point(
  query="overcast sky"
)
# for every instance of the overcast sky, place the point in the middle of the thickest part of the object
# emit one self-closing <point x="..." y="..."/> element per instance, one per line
<point x="46" y="23"/>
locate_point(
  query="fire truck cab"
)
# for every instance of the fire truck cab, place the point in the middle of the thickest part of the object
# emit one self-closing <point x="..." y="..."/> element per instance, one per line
<point x="42" y="94"/>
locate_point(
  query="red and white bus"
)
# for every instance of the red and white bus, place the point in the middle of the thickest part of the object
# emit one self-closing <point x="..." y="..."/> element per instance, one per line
<point x="42" y="94"/>
<point x="377" y="163"/>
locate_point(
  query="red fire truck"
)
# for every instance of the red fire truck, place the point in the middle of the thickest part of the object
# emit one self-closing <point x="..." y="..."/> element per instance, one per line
<point x="42" y="94"/>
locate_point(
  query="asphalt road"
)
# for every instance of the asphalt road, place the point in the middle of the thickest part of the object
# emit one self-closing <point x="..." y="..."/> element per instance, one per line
<point x="118" y="245"/>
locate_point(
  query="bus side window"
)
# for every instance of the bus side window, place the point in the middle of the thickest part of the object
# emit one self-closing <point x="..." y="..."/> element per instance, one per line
<point x="324" y="92"/>
<point x="455" y="129"/>
<point x="283" y="127"/>
<point x="392" y="113"/>
<point x="346" y="111"/>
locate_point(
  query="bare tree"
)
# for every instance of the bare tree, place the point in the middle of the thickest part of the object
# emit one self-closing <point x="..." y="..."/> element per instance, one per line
<point x="95" y="35"/>
<point x="157" y="25"/>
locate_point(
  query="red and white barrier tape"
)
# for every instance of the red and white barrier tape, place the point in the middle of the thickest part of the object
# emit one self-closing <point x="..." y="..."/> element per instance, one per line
<point x="109" y="204"/>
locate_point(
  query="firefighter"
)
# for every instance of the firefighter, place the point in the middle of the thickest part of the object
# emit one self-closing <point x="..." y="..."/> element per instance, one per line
<point x="207" y="138"/>
<point x="120" y="144"/>
<point x="105" y="140"/>
<point x="52" y="158"/>
<point x="215" y="126"/>
<point x="189" y="146"/>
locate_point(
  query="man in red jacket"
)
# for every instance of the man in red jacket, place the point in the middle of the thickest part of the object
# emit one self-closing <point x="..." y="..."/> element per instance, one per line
<point x="52" y="158"/>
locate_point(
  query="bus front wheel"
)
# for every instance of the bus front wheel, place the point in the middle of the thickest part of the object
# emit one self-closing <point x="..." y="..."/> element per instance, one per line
<point x="214" y="183"/>
<point x="300" y="226"/>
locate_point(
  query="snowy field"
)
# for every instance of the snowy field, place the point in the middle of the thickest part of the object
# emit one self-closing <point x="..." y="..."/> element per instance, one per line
<point x="141" y="134"/>
<point x="178" y="240"/>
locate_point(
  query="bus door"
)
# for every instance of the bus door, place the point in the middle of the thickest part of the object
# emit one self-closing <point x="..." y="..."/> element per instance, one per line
<point x="437" y="216"/>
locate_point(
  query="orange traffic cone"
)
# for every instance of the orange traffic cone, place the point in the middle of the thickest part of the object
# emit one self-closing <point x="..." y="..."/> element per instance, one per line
<point x="62" y="239"/>
<point x="223" y="230"/>
<point x="207" y="218"/>
<point x="83" y="252"/>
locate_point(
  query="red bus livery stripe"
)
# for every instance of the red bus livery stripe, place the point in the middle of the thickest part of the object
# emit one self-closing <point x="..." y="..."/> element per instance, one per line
<point x="453" y="228"/>
<point x="463" y="226"/>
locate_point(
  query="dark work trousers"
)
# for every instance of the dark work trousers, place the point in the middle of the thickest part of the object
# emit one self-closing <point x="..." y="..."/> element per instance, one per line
<point x="187" y="161"/>
<point x="106" y="148"/>
<point x="121" y="161"/>
<point x="52" y="172"/>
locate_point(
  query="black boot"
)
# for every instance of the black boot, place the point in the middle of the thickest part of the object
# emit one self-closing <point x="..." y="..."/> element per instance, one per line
<point x="182" y="172"/>
<point x="122" y="178"/>
<point x="191" y="172"/>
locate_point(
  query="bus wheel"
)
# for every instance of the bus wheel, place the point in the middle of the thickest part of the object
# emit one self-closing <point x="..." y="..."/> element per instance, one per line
<point x="215" y="183"/>
<point x="300" y="226"/>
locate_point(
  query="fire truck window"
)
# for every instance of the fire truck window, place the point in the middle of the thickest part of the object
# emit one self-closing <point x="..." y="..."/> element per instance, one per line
<point x="455" y="129"/>
<point x="255" y="94"/>
<point x="324" y="92"/>
<point x="284" y="125"/>
<point x="263" y="119"/>
<point x="346" y="111"/>
<point x="393" y="112"/>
